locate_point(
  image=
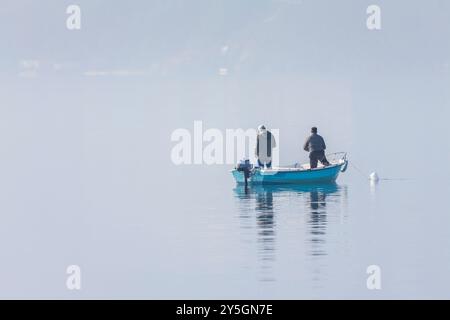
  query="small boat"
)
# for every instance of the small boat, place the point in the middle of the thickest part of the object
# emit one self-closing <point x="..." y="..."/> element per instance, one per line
<point x="295" y="174"/>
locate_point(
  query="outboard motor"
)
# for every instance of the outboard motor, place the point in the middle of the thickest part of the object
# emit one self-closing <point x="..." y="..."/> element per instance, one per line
<point x="246" y="167"/>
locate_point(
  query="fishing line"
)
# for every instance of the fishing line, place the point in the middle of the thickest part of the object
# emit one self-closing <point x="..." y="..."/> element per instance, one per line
<point x="358" y="170"/>
<point x="361" y="172"/>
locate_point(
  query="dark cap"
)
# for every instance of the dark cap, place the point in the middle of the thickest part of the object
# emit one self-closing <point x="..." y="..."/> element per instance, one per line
<point x="314" y="129"/>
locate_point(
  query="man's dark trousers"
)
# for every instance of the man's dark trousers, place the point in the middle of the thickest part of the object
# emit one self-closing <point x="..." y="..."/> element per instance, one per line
<point x="316" y="156"/>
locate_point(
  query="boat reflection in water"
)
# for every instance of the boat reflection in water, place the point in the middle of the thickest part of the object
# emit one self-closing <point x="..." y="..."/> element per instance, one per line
<point x="292" y="210"/>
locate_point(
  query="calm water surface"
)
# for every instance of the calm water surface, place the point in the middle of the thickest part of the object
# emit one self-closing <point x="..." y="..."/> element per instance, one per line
<point x="217" y="240"/>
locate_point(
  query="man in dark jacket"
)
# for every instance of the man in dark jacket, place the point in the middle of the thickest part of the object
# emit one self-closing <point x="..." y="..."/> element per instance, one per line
<point x="315" y="145"/>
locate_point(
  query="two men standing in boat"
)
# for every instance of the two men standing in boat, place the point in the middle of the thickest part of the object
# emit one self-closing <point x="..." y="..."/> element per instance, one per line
<point x="265" y="142"/>
<point x="315" y="145"/>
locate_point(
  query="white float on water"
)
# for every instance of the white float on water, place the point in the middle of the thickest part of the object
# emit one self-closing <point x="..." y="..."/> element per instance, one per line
<point x="374" y="177"/>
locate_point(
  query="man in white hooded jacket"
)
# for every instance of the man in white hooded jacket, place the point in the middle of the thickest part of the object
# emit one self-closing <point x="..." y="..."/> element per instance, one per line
<point x="265" y="142"/>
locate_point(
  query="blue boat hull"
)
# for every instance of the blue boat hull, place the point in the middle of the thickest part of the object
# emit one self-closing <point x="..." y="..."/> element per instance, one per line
<point x="293" y="176"/>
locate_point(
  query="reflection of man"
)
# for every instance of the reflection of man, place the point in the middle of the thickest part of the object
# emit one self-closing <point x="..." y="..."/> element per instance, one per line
<point x="315" y="145"/>
<point x="265" y="142"/>
<point x="265" y="224"/>
<point x="317" y="199"/>
<point x="264" y="203"/>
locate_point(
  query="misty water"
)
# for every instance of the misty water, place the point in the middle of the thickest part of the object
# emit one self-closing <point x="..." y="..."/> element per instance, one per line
<point x="87" y="178"/>
<point x="140" y="228"/>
